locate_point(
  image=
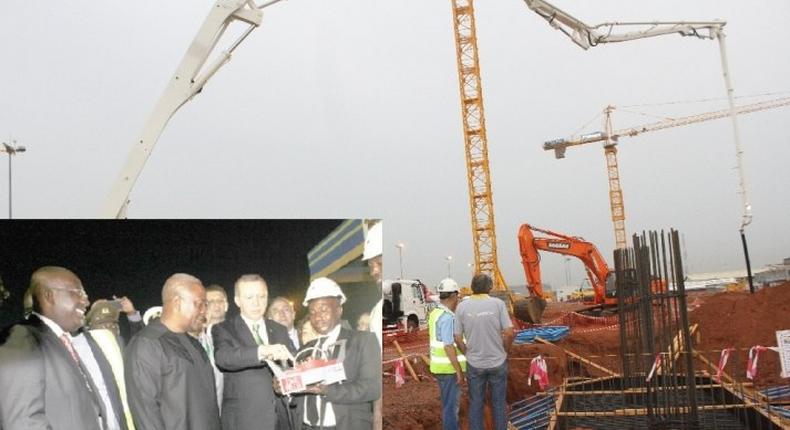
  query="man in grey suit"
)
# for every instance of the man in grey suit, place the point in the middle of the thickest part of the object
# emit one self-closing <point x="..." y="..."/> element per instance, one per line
<point x="241" y="344"/>
<point x="169" y="378"/>
<point x="346" y="405"/>
<point x="53" y="375"/>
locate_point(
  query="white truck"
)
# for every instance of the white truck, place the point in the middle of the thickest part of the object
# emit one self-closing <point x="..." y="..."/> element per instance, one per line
<point x="407" y="304"/>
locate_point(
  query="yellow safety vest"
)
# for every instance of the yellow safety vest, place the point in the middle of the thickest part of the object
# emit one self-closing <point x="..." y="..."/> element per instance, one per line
<point x="108" y="343"/>
<point x="440" y="362"/>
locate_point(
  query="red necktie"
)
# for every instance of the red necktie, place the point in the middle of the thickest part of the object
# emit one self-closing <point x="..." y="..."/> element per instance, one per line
<point x="67" y="342"/>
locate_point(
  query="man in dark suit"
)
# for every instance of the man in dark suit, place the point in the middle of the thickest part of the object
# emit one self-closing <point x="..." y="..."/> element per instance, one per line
<point x="52" y="379"/>
<point x="241" y="344"/>
<point x="169" y="378"/>
<point x="346" y="405"/>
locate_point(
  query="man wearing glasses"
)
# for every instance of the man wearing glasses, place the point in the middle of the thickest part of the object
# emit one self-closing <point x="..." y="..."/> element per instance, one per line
<point x="53" y="375"/>
<point x="169" y="378"/>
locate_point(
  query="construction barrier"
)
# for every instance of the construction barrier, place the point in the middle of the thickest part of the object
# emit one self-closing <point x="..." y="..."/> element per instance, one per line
<point x="550" y="333"/>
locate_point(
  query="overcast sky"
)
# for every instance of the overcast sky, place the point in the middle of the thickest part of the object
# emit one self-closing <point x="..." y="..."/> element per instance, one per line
<point x="349" y="108"/>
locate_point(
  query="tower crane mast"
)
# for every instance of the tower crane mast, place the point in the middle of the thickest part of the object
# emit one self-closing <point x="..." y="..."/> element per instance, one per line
<point x="481" y="203"/>
<point x="476" y="142"/>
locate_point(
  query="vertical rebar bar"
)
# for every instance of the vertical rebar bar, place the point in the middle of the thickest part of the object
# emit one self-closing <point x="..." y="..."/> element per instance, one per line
<point x="690" y="379"/>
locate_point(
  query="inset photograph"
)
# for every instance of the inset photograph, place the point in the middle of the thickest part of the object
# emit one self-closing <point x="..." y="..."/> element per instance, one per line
<point x="190" y="324"/>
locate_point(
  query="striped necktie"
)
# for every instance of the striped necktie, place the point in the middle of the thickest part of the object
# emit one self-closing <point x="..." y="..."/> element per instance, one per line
<point x="255" y="334"/>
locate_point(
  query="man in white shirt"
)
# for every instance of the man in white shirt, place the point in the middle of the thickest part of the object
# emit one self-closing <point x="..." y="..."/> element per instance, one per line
<point x="217" y="309"/>
<point x="41" y="360"/>
<point x="282" y="311"/>
<point x="241" y="344"/>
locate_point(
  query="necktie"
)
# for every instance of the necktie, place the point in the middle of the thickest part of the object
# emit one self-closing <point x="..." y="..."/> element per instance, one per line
<point x="67" y="343"/>
<point x="255" y="334"/>
<point x="206" y="344"/>
<point x="318" y="345"/>
<point x="312" y="400"/>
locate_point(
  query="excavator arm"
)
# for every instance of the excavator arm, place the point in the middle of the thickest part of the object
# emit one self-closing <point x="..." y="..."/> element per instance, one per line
<point x="594" y="263"/>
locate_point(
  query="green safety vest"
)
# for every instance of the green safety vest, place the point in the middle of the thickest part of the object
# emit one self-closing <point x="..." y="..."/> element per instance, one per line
<point x="440" y="363"/>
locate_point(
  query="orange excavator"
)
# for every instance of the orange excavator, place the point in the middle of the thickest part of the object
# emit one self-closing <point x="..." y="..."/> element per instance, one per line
<point x="601" y="277"/>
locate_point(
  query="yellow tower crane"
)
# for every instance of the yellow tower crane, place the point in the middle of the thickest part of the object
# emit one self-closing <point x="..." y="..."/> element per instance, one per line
<point x="476" y="142"/>
<point x="611" y="138"/>
<point x="477" y="167"/>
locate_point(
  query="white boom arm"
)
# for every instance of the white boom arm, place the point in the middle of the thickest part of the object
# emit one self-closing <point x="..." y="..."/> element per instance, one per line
<point x="559" y="145"/>
<point x="586" y="36"/>
<point x="187" y="81"/>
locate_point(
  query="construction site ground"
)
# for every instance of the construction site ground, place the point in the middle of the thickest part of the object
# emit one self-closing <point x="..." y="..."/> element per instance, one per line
<point x="726" y="320"/>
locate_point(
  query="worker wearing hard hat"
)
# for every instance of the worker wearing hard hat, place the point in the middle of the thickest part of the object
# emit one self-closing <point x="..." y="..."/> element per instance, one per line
<point x="346" y="405"/>
<point x="448" y="364"/>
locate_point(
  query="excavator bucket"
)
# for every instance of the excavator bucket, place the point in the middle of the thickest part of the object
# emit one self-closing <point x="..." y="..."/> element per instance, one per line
<point x="529" y="309"/>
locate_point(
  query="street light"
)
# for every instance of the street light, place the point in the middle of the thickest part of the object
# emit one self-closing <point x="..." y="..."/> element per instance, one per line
<point x="400" y="246"/>
<point x="449" y="259"/>
<point x="11" y="149"/>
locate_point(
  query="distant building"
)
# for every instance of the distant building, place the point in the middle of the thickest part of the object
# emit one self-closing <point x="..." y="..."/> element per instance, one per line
<point x="773" y="274"/>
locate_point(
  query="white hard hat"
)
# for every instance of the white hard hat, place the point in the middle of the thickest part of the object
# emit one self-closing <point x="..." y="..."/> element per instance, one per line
<point x="447" y="285"/>
<point x="323" y="287"/>
<point x="373" y="242"/>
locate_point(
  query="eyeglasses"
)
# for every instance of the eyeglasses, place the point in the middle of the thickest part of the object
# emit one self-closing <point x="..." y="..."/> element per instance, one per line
<point x="78" y="292"/>
<point x="200" y="304"/>
<point x="217" y="302"/>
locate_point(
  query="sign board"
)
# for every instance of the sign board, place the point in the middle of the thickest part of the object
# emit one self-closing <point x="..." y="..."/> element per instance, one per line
<point x="783" y="344"/>
<point x="316" y="368"/>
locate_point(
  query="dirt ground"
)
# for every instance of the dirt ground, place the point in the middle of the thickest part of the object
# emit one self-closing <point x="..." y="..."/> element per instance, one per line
<point x="738" y="320"/>
<point x="742" y="320"/>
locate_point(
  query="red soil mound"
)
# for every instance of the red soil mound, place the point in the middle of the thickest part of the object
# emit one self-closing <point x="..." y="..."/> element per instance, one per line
<point x="743" y="320"/>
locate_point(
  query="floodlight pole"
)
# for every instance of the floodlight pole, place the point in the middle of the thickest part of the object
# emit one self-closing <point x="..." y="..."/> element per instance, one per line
<point x="11" y="149"/>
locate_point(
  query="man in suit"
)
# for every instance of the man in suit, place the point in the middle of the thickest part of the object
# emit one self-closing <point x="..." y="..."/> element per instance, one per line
<point x="282" y="311"/>
<point x="346" y="405"/>
<point x="169" y="378"/>
<point x="217" y="308"/>
<point x="52" y="379"/>
<point x="241" y="344"/>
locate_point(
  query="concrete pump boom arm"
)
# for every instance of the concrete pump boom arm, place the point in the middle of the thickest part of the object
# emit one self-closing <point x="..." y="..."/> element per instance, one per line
<point x="187" y="81"/>
<point x="587" y="36"/>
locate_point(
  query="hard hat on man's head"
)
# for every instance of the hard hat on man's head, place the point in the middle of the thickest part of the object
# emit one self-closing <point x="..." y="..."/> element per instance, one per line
<point x="323" y="287"/>
<point x="373" y="242"/>
<point x="448" y="285"/>
<point x="103" y="312"/>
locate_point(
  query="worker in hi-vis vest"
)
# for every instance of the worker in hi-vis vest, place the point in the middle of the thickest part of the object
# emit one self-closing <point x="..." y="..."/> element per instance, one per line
<point x="448" y="364"/>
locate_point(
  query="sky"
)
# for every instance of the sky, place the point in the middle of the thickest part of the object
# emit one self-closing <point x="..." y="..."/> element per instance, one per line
<point x="350" y="109"/>
<point x="134" y="258"/>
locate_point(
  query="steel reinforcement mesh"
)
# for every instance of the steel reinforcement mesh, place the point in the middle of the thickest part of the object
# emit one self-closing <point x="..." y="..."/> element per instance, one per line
<point x="618" y="407"/>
